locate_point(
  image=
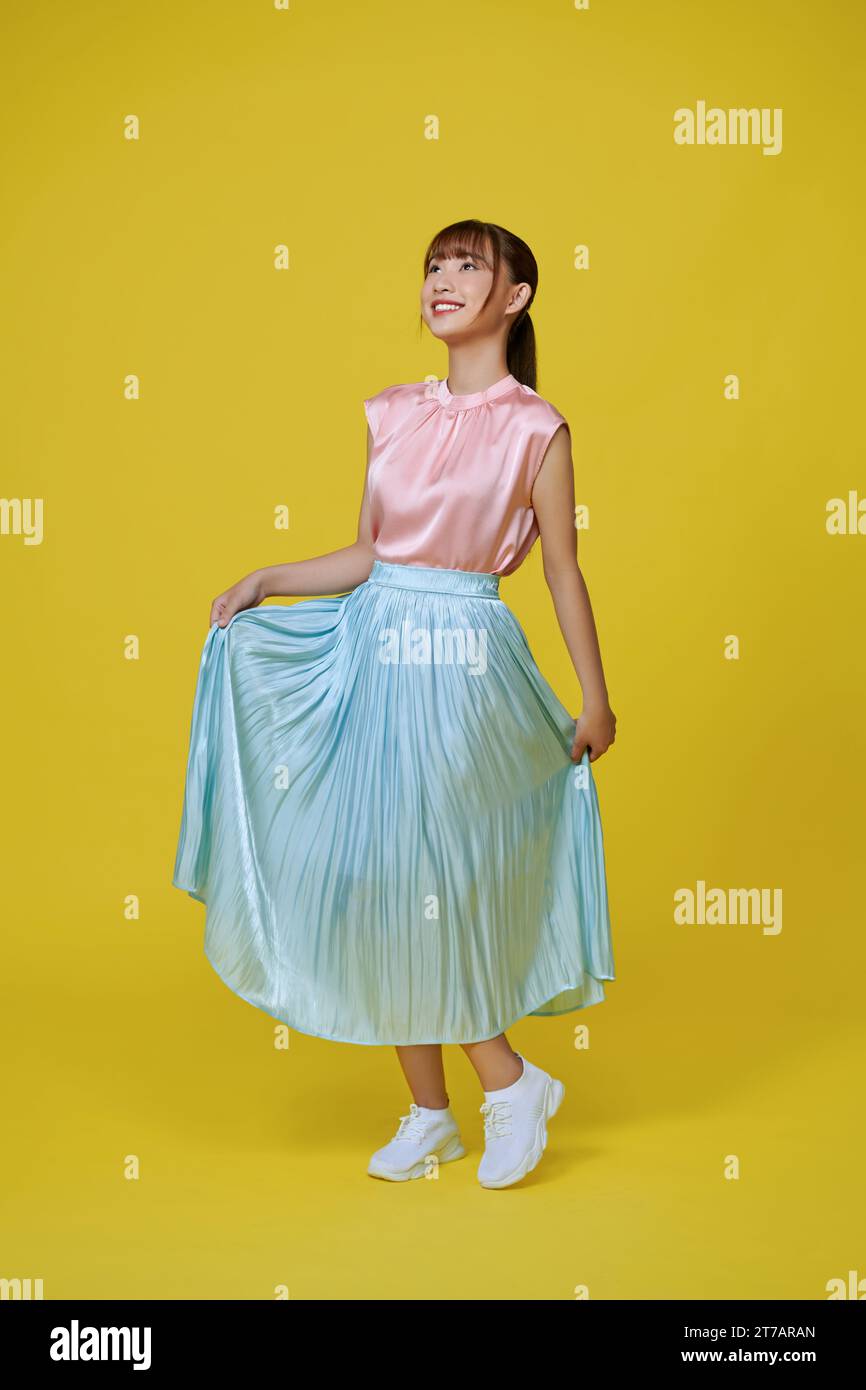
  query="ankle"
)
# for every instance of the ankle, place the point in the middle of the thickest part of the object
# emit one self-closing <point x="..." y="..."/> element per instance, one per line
<point x="502" y="1073"/>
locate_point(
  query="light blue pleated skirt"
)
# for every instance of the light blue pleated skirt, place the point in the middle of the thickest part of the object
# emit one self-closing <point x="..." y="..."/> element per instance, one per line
<point x="383" y="820"/>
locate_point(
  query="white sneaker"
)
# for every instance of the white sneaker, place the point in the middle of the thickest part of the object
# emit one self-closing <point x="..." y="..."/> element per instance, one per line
<point x="515" y="1125"/>
<point x="423" y="1134"/>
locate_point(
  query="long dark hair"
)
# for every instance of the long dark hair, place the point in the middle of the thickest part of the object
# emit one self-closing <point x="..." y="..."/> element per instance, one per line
<point x="491" y="244"/>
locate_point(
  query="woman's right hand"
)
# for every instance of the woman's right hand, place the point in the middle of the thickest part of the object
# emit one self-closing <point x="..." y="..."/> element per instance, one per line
<point x="247" y="593"/>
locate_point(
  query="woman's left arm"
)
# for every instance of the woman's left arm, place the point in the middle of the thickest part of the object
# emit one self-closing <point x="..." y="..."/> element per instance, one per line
<point x="553" y="503"/>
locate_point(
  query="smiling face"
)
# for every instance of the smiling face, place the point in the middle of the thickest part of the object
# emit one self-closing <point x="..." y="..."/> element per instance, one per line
<point x="454" y="291"/>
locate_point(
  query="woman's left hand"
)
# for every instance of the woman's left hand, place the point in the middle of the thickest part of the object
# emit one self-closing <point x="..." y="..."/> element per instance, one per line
<point x="595" y="729"/>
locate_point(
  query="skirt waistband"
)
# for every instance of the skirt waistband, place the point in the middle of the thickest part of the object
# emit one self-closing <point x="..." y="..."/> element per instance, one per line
<point x="401" y="576"/>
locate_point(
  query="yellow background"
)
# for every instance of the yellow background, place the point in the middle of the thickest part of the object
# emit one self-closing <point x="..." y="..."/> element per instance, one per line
<point x="155" y="257"/>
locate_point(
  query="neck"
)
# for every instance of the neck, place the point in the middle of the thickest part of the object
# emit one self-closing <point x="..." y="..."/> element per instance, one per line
<point x="472" y="369"/>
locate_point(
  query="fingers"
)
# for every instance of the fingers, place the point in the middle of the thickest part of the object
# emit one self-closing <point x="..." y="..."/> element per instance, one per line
<point x="219" y="612"/>
<point x="596" y="753"/>
<point x="597" y="748"/>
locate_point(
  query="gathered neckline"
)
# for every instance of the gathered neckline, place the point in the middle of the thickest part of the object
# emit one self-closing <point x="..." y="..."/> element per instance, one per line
<point x="474" y="398"/>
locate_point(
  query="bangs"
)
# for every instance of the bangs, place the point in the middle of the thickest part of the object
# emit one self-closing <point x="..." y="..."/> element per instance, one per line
<point x="458" y="244"/>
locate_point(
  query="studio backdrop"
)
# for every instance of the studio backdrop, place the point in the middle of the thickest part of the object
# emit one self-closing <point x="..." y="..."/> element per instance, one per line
<point x="212" y="255"/>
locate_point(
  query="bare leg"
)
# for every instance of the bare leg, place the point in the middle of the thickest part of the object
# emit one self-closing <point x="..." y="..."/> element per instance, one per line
<point x="423" y="1070"/>
<point x="496" y="1063"/>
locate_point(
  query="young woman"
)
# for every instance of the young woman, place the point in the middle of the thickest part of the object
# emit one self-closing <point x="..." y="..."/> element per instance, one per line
<point x="390" y="816"/>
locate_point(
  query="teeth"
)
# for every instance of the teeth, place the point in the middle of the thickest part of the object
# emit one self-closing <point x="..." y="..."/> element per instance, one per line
<point x="446" y="308"/>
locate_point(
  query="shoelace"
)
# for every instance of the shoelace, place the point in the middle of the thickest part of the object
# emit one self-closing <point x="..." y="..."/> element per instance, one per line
<point x="411" y="1125"/>
<point x="497" y="1118"/>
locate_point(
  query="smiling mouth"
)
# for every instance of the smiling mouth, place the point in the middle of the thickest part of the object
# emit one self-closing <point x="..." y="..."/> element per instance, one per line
<point x="446" y="308"/>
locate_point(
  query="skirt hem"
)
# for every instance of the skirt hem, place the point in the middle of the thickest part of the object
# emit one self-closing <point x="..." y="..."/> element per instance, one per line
<point x="410" y="1042"/>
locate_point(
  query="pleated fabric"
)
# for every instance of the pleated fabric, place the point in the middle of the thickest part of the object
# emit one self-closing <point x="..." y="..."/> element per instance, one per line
<point x="383" y="820"/>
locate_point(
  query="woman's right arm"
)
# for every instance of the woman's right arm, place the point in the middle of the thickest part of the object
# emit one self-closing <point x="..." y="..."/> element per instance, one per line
<point x="335" y="573"/>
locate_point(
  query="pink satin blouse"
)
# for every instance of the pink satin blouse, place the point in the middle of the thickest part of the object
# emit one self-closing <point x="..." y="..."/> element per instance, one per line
<point x="450" y="477"/>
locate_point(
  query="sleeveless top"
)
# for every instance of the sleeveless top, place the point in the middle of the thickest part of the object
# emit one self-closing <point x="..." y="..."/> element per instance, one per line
<point x="450" y="478"/>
